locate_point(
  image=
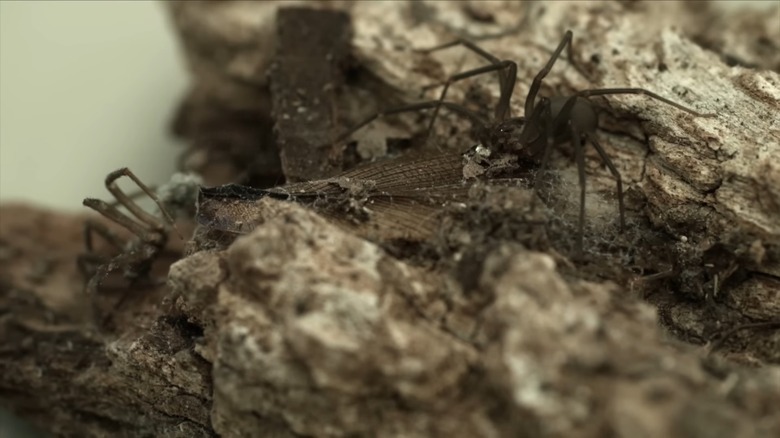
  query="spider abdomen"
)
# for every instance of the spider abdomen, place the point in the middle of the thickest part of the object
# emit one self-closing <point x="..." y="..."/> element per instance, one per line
<point x="583" y="115"/>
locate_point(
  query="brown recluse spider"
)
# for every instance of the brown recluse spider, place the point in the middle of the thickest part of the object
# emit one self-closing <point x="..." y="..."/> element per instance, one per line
<point x="137" y="256"/>
<point x="552" y="121"/>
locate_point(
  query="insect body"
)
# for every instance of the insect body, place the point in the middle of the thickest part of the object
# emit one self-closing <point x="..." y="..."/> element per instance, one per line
<point x="391" y="200"/>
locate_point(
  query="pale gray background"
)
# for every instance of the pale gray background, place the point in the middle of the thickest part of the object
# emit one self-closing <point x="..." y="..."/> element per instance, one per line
<point x="85" y="88"/>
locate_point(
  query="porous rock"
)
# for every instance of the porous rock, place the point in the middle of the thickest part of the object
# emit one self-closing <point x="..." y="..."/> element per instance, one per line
<point x="301" y="328"/>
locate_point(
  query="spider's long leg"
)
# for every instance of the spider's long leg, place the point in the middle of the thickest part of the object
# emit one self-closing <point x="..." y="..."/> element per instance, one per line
<point x="502" y="108"/>
<point x="721" y="338"/>
<point x="474" y="48"/>
<point x="506" y="78"/>
<point x="459" y="109"/>
<point x="575" y="64"/>
<point x="607" y="91"/>
<point x="615" y="173"/>
<point x="92" y="228"/>
<point x="545" y="114"/>
<point x="580" y="154"/>
<point x="134" y="208"/>
<point x="112" y="213"/>
<point x="529" y="135"/>
<point x="135" y="195"/>
<point x="467" y="44"/>
<point x="565" y="117"/>
<point x="537" y="82"/>
<point x="89" y="258"/>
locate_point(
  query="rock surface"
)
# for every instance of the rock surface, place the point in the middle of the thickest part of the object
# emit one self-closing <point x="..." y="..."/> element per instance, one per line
<point x="301" y="327"/>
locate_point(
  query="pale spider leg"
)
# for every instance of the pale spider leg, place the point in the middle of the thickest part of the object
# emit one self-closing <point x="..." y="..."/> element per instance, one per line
<point x="112" y="213"/>
<point x="134" y="208"/>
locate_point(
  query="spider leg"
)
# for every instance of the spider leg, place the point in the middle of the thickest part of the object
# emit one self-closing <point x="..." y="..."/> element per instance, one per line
<point x="92" y="227"/>
<point x="565" y="117"/>
<point x="575" y="64"/>
<point x="607" y="91"/>
<point x="615" y="173"/>
<point x="543" y="110"/>
<point x="112" y="213"/>
<point x="474" y="48"/>
<point x="579" y="152"/>
<point x="537" y="82"/>
<point x="134" y="208"/>
<point x="468" y="45"/>
<point x="136" y="194"/>
<point x="502" y="108"/>
<point x="152" y="237"/>
<point x="456" y="108"/>
<point x="88" y="260"/>
<point x="504" y="76"/>
<point x="720" y="338"/>
<point x="530" y="134"/>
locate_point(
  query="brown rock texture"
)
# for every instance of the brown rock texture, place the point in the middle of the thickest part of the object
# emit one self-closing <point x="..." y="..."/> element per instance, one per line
<point x="488" y="325"/>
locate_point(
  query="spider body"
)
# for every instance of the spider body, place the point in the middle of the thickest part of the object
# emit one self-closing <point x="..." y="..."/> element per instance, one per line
<point x="583" y="115"/>
<point x="548" y="121"/>
<point x="530" y="140"/>
<point x="136" y="257"/>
